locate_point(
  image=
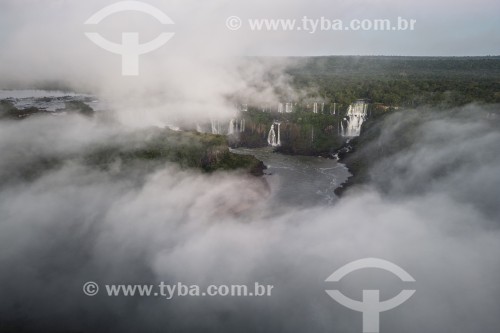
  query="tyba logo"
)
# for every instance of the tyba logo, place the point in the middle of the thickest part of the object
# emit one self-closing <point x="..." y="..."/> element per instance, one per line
<point x="130" y="49"/>
<point x="371" y="306"/>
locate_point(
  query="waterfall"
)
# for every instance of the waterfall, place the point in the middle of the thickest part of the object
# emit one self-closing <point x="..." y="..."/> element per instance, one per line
<point x="285" y="107"/>
<point x="279" y="134"/>
<point x="230" y="130"/>
<point x="317" y="106"/>
<point x="216" y="129"/>
<point x="356" y="116"/>
<point x="236" y="126"/>
<point x="273" y="139"/>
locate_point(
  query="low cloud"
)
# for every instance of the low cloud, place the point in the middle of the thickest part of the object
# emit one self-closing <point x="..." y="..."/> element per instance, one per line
<point x="75" y="224"/>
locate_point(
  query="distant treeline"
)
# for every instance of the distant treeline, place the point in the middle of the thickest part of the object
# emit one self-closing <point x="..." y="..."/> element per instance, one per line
<point x="401" y="81"/>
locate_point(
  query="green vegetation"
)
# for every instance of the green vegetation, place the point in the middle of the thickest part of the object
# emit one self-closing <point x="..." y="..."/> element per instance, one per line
<point x="187" y="149"/>
<point x="402" y="81"/>
<point x="139" y="153"/>
<point x="302" y="133"/>
<point x="389" y="83"/>
<point x="150" y="148"/>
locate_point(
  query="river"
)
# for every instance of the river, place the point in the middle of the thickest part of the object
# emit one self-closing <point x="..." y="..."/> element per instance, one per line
<point x="302" y="181"/>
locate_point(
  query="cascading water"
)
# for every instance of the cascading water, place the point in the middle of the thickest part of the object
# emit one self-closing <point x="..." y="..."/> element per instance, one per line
<point x="231" y="130"/>
<point x="216" y="129"/>
<point x="280" y="107"/>
<point x="273" y="139"/>
<point x="236" y="126"/>
<point x="318" y="106"/>
<point x="350" y="126"/>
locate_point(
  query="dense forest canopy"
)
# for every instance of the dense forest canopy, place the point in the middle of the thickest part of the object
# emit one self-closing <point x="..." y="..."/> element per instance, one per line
<point x="401" y="81"/>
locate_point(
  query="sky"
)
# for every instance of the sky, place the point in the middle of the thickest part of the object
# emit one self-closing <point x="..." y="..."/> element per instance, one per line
<point x="443" y="28"/>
